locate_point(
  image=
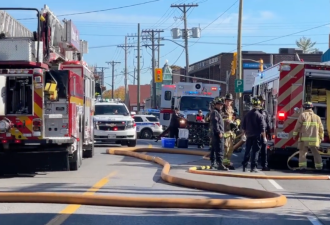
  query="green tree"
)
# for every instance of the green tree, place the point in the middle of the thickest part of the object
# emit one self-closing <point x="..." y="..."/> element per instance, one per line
<point x="306" y="45"/>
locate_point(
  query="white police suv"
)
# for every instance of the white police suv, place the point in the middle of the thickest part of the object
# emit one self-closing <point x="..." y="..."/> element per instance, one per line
<point x="113" y="123"/>
<point x="147" y="126"/>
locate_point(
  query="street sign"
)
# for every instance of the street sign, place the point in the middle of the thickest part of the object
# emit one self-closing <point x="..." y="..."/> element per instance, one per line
<point x="239" y="86"/>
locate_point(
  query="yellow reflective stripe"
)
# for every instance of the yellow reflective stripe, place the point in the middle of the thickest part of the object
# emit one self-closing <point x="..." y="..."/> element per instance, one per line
<point x="295" y="133"/>
<point x="311" y="124"/>
<point x="303" y="164"/>
<point x="310" y="139"/>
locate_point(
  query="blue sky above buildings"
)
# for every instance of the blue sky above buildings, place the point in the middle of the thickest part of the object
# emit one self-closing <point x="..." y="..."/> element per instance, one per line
<point x="263" y="21"/>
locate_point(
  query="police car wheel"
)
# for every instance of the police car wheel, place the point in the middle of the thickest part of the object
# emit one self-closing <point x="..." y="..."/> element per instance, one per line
<point x="146" y="134"/>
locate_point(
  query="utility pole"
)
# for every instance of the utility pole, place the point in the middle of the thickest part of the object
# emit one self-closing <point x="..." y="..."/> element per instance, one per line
<point x="153" y="46"/>
<point x="158" y="50"/>
<point x="185" y="8"/>
<point x="239" y="70"/>
<point x="113" y="63"/>
<point x="138" y="69"/>
<point x="134" y="77"/>
<point x="126" y="47"/>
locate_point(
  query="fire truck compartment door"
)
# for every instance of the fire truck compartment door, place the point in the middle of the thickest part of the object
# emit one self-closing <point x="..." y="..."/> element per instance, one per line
<point x="3" y="95"/>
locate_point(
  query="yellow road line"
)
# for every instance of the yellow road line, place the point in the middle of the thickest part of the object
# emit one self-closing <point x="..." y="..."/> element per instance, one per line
<point x="70" y="209"/>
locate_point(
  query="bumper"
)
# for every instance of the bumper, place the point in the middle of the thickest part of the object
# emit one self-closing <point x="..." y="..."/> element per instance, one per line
<point x="113" y="136"/>
<point x="53" y="140"/>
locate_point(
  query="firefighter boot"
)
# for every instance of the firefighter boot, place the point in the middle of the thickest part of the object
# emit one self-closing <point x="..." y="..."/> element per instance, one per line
<point x="222" y="167"/>
<point x="213" y="165"/>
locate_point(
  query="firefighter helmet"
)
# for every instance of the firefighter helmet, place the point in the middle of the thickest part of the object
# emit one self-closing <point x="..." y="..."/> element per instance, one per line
<point x="229" y="97"/>
<point x="218" y="100"/>
<point x="262" y="97"/>
<point x="255" y="101"/>
<point x="308" y="105"/>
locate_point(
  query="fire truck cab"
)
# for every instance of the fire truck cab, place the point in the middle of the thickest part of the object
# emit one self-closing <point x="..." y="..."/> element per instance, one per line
<point x="47" y="92"/>
<point x="287" y="85"/>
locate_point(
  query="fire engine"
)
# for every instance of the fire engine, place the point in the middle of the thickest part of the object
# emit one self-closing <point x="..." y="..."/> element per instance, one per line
<point x="47" y="92"/>
<point x="286" y="86"/>
<point x="188" y="98"/>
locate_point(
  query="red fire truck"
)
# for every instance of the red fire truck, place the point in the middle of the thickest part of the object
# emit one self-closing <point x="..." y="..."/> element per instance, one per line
<point x="47" y="95"/>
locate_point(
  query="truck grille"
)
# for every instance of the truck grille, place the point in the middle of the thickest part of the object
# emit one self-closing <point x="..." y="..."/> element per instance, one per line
<point x="109" y="125"/>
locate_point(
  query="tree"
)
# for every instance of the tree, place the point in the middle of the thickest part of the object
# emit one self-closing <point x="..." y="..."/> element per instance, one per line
<point x="118" y="93"/>
<point x="306" y="45"/>
<point x="175" y="67"/>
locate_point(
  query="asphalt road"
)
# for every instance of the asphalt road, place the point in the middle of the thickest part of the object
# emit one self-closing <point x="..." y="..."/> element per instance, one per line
<point x="308" y="201"/>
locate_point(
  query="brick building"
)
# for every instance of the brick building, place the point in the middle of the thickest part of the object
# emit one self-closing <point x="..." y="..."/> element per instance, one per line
<point x="217" y="66"/>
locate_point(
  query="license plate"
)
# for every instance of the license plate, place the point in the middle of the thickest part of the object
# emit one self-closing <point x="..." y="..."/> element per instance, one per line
<point x="111" y="136"/>
<point x="282" y="135"/>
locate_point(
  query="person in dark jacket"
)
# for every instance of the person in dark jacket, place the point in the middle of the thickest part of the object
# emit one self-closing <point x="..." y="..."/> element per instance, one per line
<point x="263" y="152"/>
<point x="173" y="128"/>
<point x="254" y="128"/>
<point x="217" y="130"/>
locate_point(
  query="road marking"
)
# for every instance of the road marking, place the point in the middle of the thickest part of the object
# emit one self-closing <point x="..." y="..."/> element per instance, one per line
<point x="70" y="209"/>
<point x="314" y="220"/>
<point x="273" y="182"/>
<point x="150" y="146"/>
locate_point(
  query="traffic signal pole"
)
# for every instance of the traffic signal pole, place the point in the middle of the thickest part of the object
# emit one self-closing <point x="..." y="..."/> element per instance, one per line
<point x="239" y="69"/>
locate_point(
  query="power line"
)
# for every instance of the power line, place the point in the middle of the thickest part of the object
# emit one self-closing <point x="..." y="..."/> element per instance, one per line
<point x="287" y="35"/>
<point x="101" y="10"/>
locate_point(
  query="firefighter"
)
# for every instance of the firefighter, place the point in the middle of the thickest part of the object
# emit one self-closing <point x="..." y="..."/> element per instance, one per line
<point x="207" y="119"/>
<point x="217" y="130"/>
<point x="263" y="152"/>
<point x="229" y="136"/>
<point x="173" y="128"/>
<point x="254" y="127"/>
<point x="311" y="132"/>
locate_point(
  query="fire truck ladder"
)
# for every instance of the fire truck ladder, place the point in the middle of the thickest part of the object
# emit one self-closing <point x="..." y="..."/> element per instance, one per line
<point x="9" y="27"/>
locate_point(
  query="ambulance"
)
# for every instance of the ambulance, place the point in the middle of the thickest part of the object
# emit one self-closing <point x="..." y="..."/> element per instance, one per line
<point x="188" y="98"/>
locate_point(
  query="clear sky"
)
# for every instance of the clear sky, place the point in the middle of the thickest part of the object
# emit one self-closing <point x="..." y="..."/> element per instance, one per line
<point x="263" y="20"/>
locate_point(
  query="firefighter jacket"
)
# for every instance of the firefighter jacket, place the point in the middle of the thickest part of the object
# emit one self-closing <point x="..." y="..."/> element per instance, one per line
<point x="253" y="123"/>
<point x="227" y="115"/>
<point x="267" y="121"/>
<point x="207" y="117"/>
<point x="310" y="128"/>
<point x="216" y="123"/>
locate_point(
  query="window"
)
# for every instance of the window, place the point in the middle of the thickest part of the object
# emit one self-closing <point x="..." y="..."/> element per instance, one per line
<point x="138" y="119"/>
<point x="168" y="95"/>
<point x="152" y="119"/>
<point x="111" y="110"/>
<point x="195" y="103"/>
<point x="166" y="116"/>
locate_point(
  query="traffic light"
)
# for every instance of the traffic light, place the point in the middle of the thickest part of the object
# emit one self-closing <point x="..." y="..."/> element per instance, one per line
<point x="234" y="64"/>
<point x="261" y="65"/>
<point x="233" y="69"/>
<point x="158" y="75"/>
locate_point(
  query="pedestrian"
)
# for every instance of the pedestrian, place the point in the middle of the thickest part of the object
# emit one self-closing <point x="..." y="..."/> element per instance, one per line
<point x="263" y="152"/>
<point x="229" y="136"/>
<point x="310" y="129"/>
<point x="207" y="119"/>
<point x="173" y="128"/>
<point x="217" y="129"/>
<point x="253" y="127"/>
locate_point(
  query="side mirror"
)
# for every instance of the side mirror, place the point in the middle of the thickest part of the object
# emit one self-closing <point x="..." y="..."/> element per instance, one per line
<point x="133" y="113"/>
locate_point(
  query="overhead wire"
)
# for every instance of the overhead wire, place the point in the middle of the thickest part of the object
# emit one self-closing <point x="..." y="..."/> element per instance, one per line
<point x="101" y="10"/>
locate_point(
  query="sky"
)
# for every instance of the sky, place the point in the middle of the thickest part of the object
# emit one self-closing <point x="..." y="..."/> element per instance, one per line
<point x="267" y="26"/>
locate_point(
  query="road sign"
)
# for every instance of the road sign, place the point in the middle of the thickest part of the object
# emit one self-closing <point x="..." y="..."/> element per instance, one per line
<point x="239" y="86"/>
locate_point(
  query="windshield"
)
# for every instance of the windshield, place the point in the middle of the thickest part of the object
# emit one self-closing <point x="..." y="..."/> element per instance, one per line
<point x="195" y="103"/>
<point x="111" y="110"/>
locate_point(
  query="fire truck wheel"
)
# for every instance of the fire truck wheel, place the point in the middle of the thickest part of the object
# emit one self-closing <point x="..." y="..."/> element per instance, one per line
<point x="131" y="143"/>
<point x="89" y="152"/>
<point x="77" y="157"/>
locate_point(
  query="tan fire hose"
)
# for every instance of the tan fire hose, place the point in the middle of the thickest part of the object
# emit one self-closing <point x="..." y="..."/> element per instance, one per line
<point x="261" y="198"/>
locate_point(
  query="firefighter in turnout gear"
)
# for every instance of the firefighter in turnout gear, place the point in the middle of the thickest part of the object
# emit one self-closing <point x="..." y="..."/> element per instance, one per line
<point x="217" y="130"/>
<point x="310" y="130"/>
<point x="263" y="152"/>
<point x="229" y="136"/>
<point x="207" y="120"/>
